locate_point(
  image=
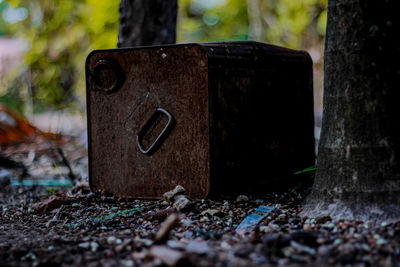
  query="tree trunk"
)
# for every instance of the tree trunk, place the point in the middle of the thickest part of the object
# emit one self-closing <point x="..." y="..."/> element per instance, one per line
<point x="358" y="174"/>
<point x="147" y="22"/>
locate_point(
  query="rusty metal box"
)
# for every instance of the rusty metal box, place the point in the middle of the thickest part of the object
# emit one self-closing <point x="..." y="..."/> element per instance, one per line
<point x="214" y="118"/>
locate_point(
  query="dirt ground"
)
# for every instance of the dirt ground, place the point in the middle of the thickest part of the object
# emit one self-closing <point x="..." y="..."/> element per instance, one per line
<point x="48" y="220"/>
<point x="90" y="229"/>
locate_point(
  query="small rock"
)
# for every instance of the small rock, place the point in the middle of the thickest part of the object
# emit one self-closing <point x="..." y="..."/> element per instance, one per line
<point x="323" y="219"/>
<point x="225" y="246"/>
<point x="187" y="222"/>
<point x="53" y="220"/>
<point x="51" y="203"/>
<point x="170" y="195"/>
<point x="175" y="244"/>
<point x="94" y="246"/>
<point x="213" y="212"/>
<point x="181" y="203"/>
<point x="325" y="250"/>
<point x="159" y="215"/>
<point x="259" y="201"/>
<point x="307" y="227"/>
<point x="111" y="240"/>
<point x="166" y="227"/>
<point x="328" y="225"/>
<point x="272" y="227"/>
<point x="126" y="231"/>
<point x="140" y="255"/>
<point x="167" y="256"/>
<point x="242" y="198"/>
<point x="198" y="247"/>
<point x="127" y="263"/>
<point x="119" y="248"/>
<point x="84" y="245"/>
<point x="188" y="234"/>
<point x="108" y="252"/>
<point x="302" y="248"/>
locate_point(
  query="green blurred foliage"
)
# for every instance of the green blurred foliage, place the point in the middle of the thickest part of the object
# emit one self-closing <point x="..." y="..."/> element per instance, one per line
<point x="212" y="20"/>
<point x="284" y="22"/>
<point x="62" y="33"/>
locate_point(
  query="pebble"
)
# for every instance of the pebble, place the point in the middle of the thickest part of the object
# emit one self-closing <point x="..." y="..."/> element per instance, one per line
<point x="323" y="219"/>
<point x="213" y="212"/>
<point x="84" y="245"/>
<point x="198" y="247"/>
<point x="324" y="250"/>
<point x="170" y="195"/>
<point x="242" y="198"/>
<point x="302" y="248"/>
<point x="111" y="240"/>
<point x="53" y="202"/>
<point x="119" y="248"/>
<point x="181" y="203"/>
<point x="159" y="215"/>
<point x="175" y="245"/>
<point x="166" y="255"/>
<point x="205" y="236"/>
<point x="127" y="263"/>
<point x="188" y="234"/>
<point x="258" y="201"/>
<point x="225" y="246"/>
<point x="186" y="222"/>
<point x="94" y="246"/>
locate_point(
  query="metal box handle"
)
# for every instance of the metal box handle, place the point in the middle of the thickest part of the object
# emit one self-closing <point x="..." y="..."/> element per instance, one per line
<point x="160" y="137"/>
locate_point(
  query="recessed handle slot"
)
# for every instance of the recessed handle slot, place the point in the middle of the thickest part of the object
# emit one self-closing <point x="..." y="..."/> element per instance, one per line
<point x="149" y="126"/>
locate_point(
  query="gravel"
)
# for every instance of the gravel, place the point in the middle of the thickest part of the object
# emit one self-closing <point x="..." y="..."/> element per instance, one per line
<point x="92" y="229"/>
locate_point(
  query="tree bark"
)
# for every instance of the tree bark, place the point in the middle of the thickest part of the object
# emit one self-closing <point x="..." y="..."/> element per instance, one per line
<point x="358" y="173"/>
<point x="255" y="26"/>
<point x="147" y="22"/>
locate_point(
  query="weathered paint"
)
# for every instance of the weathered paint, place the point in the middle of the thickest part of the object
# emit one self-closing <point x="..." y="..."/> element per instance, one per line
<point x="242" y="112"/>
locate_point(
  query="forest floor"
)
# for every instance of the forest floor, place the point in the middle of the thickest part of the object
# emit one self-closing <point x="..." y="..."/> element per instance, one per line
<point x="52" y="225"/>
<point x="92" y="229"/>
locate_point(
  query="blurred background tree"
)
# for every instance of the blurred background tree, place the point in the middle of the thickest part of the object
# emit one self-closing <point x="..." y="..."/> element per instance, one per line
<point x="56" y="37"/>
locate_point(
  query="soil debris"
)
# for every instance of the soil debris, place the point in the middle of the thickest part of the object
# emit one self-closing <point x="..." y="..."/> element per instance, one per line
<point x="53" y="202"/>
<point x="166" y="227"/>
<point x="98" y="229"/>
<point x="159" y="215"/>
<point x="46" y="224"/>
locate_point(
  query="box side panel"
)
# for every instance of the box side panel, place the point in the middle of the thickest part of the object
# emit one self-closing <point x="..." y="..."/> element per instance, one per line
<point x="173" y="78"/>
<point x="262" y="117"/>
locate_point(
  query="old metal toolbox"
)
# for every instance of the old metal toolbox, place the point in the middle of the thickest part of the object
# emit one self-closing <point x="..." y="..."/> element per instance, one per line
<point x="214" y="118"/>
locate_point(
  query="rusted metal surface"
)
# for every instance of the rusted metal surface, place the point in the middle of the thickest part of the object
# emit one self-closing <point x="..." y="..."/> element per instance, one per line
<point x="211" y="117"/>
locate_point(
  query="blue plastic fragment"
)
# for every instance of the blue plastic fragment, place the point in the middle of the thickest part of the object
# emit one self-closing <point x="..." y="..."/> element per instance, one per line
<point x="251" y="221"/>
<point x="41" y="182"/>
